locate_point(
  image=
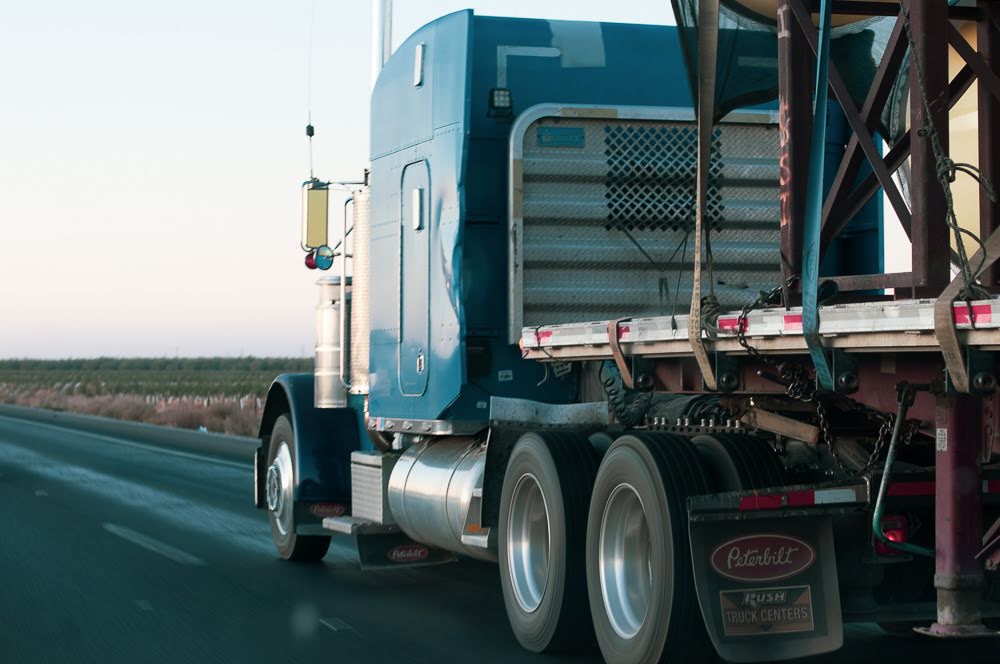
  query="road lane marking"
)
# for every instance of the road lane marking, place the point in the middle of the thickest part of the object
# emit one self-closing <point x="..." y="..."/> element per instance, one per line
<point x="336" y="624"/>
<point x="41" y="492"/>
<point x="246" y="529"/>
<point x="154" y="545"/>
<point x="248" y="465"/>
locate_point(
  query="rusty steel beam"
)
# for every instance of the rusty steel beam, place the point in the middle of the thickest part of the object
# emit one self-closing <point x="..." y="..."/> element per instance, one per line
<point x="988" y="43"/>
<point x="853" y="117"/>
<point x="988" y="80"/>
<point x="929" y="233"/>
<point x="875" y="101"/>
<point x="958" y="526"/>
<point x="795" y="122"/>
<point x="895" y="158"/>
<point x="858" y="282"/>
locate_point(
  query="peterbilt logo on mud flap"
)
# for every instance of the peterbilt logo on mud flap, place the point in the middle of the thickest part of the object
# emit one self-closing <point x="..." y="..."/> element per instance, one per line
<point x="754" y="558"/>
<point x="408" y="553"/>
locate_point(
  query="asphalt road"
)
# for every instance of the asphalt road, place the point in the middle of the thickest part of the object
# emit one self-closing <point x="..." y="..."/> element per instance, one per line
<point x="116" y="550"/>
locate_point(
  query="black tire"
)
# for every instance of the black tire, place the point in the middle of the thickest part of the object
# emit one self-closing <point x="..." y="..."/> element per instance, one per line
<point x="291" y="545"/>
<point x="563" y="467"/>
<point x="662" y="470"/>
<point x="739" y="463"/>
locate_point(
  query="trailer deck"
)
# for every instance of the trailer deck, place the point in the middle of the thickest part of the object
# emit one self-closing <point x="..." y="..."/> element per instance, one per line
<point x="869" y="327"/>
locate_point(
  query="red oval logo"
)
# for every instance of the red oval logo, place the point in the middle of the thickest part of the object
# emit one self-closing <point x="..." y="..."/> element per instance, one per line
<point x="754" y="558"/>
<point x="327" y="509"/>
<point x="408" y="553"/>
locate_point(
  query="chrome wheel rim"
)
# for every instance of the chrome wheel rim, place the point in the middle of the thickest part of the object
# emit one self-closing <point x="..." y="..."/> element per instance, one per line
<point x="625" y="563"/>
<point x="528" y="542"/>
<point x="279" y="489"/>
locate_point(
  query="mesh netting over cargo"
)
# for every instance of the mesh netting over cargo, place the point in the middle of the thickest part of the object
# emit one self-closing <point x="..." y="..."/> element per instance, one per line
<point x="747" y="70"/>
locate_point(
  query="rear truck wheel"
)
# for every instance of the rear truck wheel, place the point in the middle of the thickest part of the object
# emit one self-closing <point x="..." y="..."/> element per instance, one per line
<point x="542" y="532"/>
<point x="279" y="484"/>
<point x="739" y="463"/>
<point x="639" y="573"/>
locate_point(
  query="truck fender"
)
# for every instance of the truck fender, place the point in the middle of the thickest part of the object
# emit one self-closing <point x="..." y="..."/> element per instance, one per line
<point x="324" y="440"/>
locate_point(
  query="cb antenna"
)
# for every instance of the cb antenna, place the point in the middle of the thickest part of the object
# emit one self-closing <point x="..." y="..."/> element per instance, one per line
<point x="310" y="130"/>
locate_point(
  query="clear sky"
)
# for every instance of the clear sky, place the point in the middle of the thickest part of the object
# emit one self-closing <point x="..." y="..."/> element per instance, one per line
<point x="150" y="161"/>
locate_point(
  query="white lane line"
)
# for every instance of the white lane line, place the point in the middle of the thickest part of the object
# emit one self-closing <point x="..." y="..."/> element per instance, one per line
<point x="41" y="492"/>
<point x="336" y="624"/>
<point x="144" y="604"/>
<point x="248" y="465"/>
<point x="244" y="528"/>
<point x="154" y="545"/>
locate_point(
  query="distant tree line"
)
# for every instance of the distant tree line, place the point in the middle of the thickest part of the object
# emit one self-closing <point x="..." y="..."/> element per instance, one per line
<point x="164" y="364"/>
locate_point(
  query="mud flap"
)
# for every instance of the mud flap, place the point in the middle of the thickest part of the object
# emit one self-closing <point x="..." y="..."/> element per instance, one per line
<point x="378" y="551"/>
<point x="768" y="586"/>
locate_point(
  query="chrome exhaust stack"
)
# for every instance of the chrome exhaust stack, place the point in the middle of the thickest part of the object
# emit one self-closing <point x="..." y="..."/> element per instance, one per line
<point x="332" y="312"/>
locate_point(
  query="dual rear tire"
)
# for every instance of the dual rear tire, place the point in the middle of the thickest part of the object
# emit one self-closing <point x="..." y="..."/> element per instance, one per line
<point x="639" y="578"/>
<point x="603" y="554"/>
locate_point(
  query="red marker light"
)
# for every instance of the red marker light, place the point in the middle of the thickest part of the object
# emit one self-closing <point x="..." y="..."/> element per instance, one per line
<point x="896" y="529"/>
<point x="311" y="260"/>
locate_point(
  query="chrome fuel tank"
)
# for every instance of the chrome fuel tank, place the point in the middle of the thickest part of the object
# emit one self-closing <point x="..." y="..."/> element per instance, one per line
<point x="431" y="490"/>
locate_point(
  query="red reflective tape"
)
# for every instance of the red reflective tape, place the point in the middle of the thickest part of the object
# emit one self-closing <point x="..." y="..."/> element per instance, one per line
<point x="753" y="503"/>
<point x="729" y="324"/>
<point x="911" y="489"/>
<point x="622" y="331"/>
<point x="543" y="335"/>
<point x="801" y="498"/>
<point x="981" y="313"/>
<point x="793" y="322"/>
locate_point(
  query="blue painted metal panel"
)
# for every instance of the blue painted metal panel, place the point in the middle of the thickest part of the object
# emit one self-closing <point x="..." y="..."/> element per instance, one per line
<point x="411" y="124"/>
<point x="860" y="247"/>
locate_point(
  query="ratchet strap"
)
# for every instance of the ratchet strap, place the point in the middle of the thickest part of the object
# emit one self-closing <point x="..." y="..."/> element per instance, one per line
<point x="708" y="40"/>
<point x="616" y="353"/>
<point x="814" y="209"/>
<point x="944" y="317"/>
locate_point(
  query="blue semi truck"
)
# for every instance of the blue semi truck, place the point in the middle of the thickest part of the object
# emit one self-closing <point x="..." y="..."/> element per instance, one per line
<point x="506" y="372"/>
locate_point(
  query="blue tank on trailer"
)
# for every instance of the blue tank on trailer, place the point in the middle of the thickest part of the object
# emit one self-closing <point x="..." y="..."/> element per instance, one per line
<point x="439" y="195"/>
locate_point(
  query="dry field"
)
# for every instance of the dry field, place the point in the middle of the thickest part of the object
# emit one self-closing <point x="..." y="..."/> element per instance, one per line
<point x="221" y="395"/>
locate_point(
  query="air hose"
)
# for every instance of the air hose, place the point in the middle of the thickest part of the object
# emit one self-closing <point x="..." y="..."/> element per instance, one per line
<point x="905" y="393"/>
<point x="629" y="412"/>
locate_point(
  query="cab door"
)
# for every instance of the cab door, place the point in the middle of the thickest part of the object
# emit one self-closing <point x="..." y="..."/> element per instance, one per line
<point x="414" y="290"/>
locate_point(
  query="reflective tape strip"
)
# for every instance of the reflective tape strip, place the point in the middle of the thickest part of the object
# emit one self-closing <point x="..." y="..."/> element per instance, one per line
<point x="858" y="318"/>
<point x="981" y="313"/>
<point x="911" y="489"/>
<point x="834" y="496"/>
